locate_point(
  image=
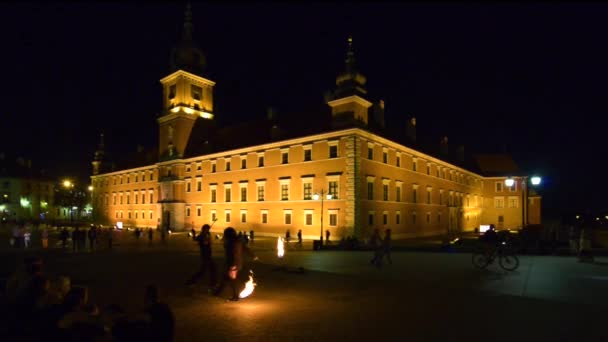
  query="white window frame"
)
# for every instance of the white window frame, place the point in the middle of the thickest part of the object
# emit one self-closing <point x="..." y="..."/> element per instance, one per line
<point x="312" y="217"/>
<point x="498" y="185"/>
<point x="228" y="187"/>
<point x="513" y="202"/>
<point x="262" y="212"/>
<point x="331" y="144"/>
<point x="334" y="178"/>
<point x="281" y="183"/>
<point x="227" y="215"/>
<point x="212" y="215"/>
<point x="257" y="190"/>
<point x="290" y="212"/>
<point x="199" y="180"/>
<point x="241" y="213"/>
<point x="241" y="186"/>
<point x="499" y="202"/>
<point x="331" y="212"/>
<point x="212" y="188"/>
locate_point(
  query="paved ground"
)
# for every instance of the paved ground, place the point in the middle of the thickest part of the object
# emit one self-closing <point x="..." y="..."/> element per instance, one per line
<point x="420" y="297"/>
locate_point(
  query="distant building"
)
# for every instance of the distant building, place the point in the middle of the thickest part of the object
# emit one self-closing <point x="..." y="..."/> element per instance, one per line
<point x="25" y="193"/>
<point x="264" y="175"/>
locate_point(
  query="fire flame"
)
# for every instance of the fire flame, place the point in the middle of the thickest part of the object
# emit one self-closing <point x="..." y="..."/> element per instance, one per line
<point x="249" y="285"/>
<point x="280" y="247"/>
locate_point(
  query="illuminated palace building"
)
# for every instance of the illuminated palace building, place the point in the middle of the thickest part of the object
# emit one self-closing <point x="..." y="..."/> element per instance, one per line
<point x="344" y="175"/>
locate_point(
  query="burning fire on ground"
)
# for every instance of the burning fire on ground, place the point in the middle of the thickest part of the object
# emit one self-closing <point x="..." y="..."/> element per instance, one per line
<point x="280" y="247"/>
<point x="249" y="286"/>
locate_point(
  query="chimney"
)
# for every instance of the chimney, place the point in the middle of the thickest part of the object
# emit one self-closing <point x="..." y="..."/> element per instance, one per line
<point x="460" y="153"/>
<point x="444" y="147"/>
<point x="271" y="114"/>
<point x="379" y="114"/>
<point x="411" y="129"/>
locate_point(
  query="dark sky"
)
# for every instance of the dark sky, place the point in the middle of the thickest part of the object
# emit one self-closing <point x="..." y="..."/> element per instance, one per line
<point x="526" y="79"/>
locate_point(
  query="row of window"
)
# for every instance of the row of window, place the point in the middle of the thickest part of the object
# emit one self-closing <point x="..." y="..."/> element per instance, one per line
<point x="371" y="218"/>
<point x="124" y="178"/>
<point x="454" y="198"/>
<point x="444" y="173"/>
<point x="118" y="198"/>
<point x="137" y="214"/>
<point x="264" y="214"/>
<point x="333" y="153"/>
<point x="512" y="201"/>
<point x="500" y="186"/>
<point x="284" y="193"/>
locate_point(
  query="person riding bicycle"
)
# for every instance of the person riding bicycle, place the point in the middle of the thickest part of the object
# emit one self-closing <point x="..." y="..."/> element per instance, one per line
<point x="489" y="240"/>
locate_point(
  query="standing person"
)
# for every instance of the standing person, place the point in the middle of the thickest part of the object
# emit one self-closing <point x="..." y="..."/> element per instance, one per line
<point x="233" y="250"/>
<point x="63" y="236"/>
<point x="162" y="319"/>
<point x="327" y="234"/>
<point x="75" y="239"/>
<point x="574" y="237"/>
<point x="193" y="233"/>
<point x="45" y="238"/>
<point x="374" y="243"/>
<point x="92" y="237"/>
<point x="150" y="235"/>
<point x="287" y="235"/>
<point x="386" y="247"/>
<point x="251" y="235"/>
<point x="299" y="236"/>
<point x="110" y="237"/>
<point x="204" y="243"/>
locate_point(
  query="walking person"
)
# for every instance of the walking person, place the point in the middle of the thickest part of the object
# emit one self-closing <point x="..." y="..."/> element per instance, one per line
<point x="75" y="239"/>
<point x="63" y="236"/>
<point x="251" y="235"/>
<point x="150" y="236"/>
<point x="45" y="238"/>
<point x="287" y="235"/>
<point x="92" y="237"/>
<point x="386" y="247"/>
<point x="204" y="242"/>
<point x="375" y="245"/>
<point x="327" y="234"/>
<point x="233" y="250"/>
<point x="110" y="237"/>
<point x="300" y="237"/>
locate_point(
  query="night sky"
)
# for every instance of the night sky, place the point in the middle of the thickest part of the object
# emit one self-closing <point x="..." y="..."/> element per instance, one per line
<point x="529" y="80"/>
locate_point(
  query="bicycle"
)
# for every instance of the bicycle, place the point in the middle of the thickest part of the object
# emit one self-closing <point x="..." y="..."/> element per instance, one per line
<point x="507" y="259"/>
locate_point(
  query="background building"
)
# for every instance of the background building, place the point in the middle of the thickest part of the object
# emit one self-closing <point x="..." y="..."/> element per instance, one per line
<point x="265" y="175"/>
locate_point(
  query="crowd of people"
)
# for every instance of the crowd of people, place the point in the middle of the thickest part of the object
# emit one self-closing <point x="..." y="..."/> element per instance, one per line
<point x="37" y="306"/>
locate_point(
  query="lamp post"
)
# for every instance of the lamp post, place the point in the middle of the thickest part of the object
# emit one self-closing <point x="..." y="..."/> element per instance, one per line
<point x="534" y="180"/>
<point x="69" y="186"/>
<point x="316" y="197"/>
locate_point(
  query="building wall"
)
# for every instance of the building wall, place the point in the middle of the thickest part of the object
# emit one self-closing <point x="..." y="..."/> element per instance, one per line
<point x="25" y="199"/>
<point x="459" y="200"/>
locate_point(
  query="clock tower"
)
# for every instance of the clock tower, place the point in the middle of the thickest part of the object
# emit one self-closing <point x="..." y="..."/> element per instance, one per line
<point x="187" y="95"/>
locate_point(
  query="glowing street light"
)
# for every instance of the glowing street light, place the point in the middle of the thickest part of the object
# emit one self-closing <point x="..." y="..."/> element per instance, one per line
<point x="67" y="183"/>
<point x="534" y="180"/>
<point x="316" y="197"/>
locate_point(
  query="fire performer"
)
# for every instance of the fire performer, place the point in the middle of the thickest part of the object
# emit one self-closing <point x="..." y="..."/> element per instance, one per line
<point x="233" y="250"/>
<point x="204" y="243"/>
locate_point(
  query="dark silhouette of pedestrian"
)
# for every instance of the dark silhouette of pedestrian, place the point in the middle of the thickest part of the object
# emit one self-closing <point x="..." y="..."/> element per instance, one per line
<point x="386" y="247"/>
<point x="150" y="235"/>
<point x="110" y="237"/>
<point x="75" y="239"/>
<point x="63" y="236"/>
<point x="193" y="233"/>
<point x="233" y="252"/>
<point x="251" y="235"/>
<point x="92" y="237"/>
<point x="204" y="242"/>
<point x="299" y="236"/>
<point x="287" y="235"/>
<point x="327" y="234"/>
<point x="162" y="319"/>
<point x="375" y="245"/>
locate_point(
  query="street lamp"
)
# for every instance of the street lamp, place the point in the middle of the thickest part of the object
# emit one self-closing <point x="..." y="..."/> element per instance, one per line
<point x="534" y="180"/>
<point x="316" y="197"/>
<point x="69" y="185"/>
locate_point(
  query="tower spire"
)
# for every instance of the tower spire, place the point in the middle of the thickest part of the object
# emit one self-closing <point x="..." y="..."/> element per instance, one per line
<point x="187" y="34"/>
<point x="350" y="56"/>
